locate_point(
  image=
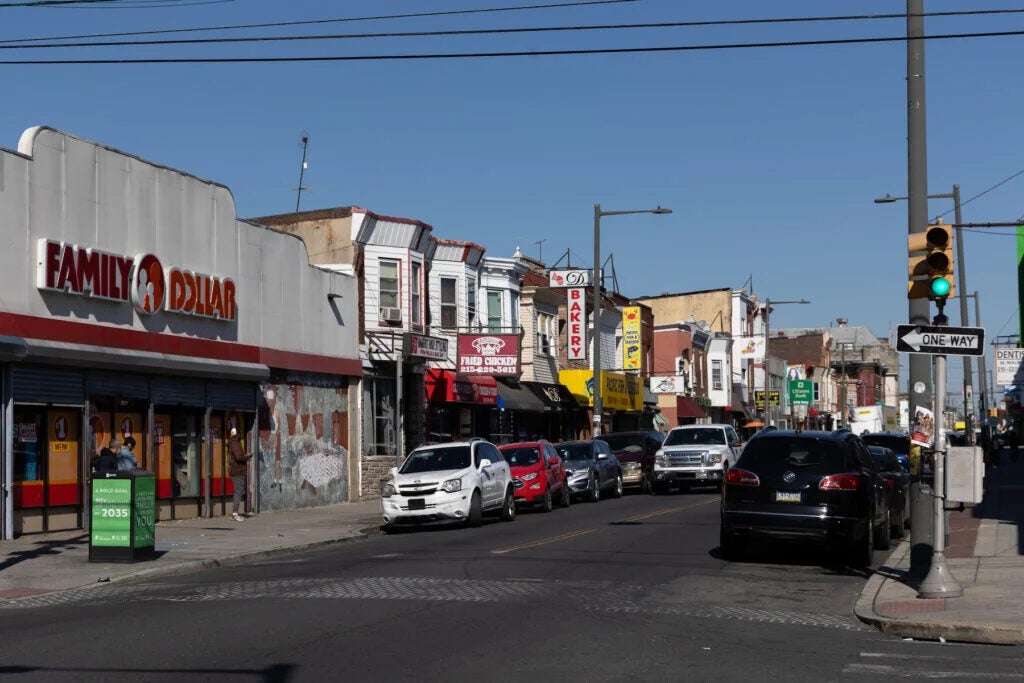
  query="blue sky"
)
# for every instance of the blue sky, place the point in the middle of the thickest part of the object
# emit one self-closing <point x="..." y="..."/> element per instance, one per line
<point x="770" y="158"/>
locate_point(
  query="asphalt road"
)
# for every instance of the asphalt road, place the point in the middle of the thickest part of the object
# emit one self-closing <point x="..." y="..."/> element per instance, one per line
<point x="628" y="589"/>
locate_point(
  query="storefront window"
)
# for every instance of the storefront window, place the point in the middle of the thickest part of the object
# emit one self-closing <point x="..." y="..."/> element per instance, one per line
<point x="186" y="469"/>
<point x="28" y="445"/>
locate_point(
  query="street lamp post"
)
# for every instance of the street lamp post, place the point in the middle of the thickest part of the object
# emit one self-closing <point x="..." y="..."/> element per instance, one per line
<point x="598" y="213"/>
<point x="961" y="276"/>
<point x="767" y="319"/>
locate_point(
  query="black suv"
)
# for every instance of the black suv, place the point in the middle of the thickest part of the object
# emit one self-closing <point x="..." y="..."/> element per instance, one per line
<point x="635" y="451"/>
<point x="806" y="486"/>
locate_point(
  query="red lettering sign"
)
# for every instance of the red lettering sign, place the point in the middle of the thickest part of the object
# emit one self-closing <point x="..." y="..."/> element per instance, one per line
<point x="576" y="335"/>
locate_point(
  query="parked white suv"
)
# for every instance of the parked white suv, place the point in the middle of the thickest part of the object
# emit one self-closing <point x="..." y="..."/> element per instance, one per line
<point x="456" y="481"/>
<point x="698" y="454"/>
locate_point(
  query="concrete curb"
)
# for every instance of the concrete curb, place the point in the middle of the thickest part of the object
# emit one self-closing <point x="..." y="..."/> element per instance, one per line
<point x="177" y="568"/>
<point x="966" y="632"/>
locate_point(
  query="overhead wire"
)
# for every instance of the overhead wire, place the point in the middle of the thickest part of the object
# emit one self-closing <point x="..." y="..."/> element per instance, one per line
<point x="309" y="22"/>
<point x="98" y="4"/>
<point x="694" y="24"/>
<point x="514" y="53"/>
<point x="469" y="32"/>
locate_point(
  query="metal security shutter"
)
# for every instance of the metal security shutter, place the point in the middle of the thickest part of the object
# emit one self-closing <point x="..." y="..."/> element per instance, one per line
<point x="121" y="386"/>
<point x="232" y="395"/>
<point x="177" y="391"/>
<point x="46" y="385"/>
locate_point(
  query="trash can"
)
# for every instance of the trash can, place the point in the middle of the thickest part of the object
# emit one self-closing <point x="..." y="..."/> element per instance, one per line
<point x="123" y="519"/>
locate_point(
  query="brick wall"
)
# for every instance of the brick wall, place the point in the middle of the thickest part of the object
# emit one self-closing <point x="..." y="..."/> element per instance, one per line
<point x="375" y="468"/>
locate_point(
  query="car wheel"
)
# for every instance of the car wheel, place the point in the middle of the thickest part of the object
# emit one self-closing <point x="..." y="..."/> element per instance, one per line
<point x="547" y="505"/>
<point x="617" y="491"/>
<point x="730" y="547"/>
<point x="645" y="485"/>
<point x="594" y="492"/>
<point x="882" y="532"/>
<point x="566" y="499"/>
<point x="508" y="507"/>
<point x="862" y="550"/>
<point x="476" y="513"/>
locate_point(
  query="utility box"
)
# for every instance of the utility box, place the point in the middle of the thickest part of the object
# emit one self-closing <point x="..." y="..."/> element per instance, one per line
<point x="965" y="473"/>
<point x="123" y="527"/>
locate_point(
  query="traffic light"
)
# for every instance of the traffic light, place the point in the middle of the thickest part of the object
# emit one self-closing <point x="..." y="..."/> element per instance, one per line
<point x="930" y="266"/>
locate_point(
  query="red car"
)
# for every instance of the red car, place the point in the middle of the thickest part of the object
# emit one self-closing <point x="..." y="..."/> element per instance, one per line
<point x="537" y="474"/>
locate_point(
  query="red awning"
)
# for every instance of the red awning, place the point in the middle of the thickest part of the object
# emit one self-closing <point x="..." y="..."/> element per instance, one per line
<point x="447" y="386"/>
<point x="687" y="407"/>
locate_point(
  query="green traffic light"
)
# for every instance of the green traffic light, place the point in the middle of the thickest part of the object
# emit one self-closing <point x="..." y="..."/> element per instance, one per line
<point x="940" y="286"/>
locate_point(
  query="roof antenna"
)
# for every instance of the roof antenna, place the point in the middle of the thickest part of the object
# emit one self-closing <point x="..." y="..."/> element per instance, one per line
<point x="302" y="171"/>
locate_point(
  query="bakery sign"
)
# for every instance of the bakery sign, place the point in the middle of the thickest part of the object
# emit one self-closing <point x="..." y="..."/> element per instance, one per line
<point x="489" y="354"/>
<point x="141" y="280"/>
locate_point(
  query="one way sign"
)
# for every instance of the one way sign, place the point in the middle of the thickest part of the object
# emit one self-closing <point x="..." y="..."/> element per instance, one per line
<point x="958" y="341"/>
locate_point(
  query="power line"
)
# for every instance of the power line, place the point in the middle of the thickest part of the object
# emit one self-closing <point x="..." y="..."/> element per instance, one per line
<point x="18" y="44"/>
<point x="517" y="53"/>
<point x="476" y="32"/>
<point x="279" y="24"/>
<point x="68" y="4"/>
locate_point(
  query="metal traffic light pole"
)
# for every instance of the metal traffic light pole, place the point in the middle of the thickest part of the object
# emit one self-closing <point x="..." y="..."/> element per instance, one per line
<point x="940" y="583"/>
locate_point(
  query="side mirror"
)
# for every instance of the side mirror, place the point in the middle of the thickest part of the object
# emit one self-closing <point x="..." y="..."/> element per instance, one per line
<point x="485" y="463"/>
<point x="602" y="456"/>
<point x="392" y="472"/>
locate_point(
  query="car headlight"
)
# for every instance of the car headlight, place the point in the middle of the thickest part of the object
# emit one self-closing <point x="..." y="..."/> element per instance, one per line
<point x="661" y="460"/>
<point x="630" y="465"/>
<point x="529" y="477"/>
<point x="714" y="458"/>
<point x="577" y="471"/>
<point x="452" y="485"/>
<point x="388" y="490"/>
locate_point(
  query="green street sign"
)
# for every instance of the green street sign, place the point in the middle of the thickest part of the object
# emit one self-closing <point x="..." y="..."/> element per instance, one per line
<point x="801" y="391"/>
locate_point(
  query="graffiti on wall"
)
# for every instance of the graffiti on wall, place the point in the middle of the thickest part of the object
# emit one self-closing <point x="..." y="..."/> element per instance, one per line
<point x="304" y="456"/>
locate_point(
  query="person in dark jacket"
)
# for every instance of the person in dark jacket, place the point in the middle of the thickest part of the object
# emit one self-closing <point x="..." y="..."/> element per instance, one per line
<point x="238" y="467"/>
<point x="106" y="463"/>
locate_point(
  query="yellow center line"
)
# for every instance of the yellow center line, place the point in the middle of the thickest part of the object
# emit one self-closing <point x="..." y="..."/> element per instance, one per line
<point x="572" y="534"/>
<point x="584" y="532"/>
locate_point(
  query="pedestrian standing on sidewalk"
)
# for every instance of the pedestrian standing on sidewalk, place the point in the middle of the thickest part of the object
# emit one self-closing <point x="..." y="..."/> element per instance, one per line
<point x="125" y="457"/>
<point x="238" y="467"/>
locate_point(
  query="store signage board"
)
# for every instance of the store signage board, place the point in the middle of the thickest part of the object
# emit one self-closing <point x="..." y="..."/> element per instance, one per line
<point x="1009" y="367"/>
<point x="935" y="339"/>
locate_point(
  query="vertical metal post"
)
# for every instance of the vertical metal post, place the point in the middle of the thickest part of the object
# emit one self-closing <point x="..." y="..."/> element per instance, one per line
<point x="920" y="383"/>
<point x="961" y="270"/>
<point x="767" y="324"/>
<point x="208" y="465"/>
<point x="399" y="398"/>
<point x="982" y="377"/>
<point x="940" y="583"/>
<point x="598" y="404"/>
<point x="7" y="456"/>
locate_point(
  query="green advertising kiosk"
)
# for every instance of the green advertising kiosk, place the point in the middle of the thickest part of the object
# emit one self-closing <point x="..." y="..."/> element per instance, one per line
<point x="123" y="527"/>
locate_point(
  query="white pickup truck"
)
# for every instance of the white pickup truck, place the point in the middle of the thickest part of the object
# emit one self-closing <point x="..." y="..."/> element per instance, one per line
<point x="696" y="455"/>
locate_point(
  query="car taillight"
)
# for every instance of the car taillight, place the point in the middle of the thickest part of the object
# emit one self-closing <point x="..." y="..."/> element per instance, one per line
<point x="840" y="482"/>
<point x="741" y="477"/>
<point x="888" y="482"/>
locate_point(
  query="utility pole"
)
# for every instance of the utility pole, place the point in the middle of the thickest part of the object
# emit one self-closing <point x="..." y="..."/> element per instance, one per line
<point x="919" y="389"/>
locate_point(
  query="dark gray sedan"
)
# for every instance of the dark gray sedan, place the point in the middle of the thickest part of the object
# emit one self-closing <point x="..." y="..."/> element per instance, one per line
<point x="591" y="469"/>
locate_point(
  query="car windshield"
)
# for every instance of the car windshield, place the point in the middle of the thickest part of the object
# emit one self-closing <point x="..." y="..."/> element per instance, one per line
<point x="804" y="454"/>
<point x="698" y="436"/>
<point x="436" y="460"/>
<point x="523" y="455"/>
<point x="575" y="451"/>
<point x="625" y="443"/>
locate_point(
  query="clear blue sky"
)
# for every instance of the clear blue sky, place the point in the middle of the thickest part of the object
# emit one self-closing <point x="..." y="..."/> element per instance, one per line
<point x="770" y="158"/>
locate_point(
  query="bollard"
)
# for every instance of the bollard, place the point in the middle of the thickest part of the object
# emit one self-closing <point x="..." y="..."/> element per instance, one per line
<point x="922" y="527"/>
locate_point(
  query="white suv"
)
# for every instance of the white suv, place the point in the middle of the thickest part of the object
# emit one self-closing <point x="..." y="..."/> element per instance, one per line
<point x="457" y="481"/>
<point x="697" y="454"/>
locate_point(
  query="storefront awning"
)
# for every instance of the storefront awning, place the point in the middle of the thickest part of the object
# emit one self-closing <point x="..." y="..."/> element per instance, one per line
<point x="553" y="396"/>
<point x="447" y="386"/>
<point x="513" y="396"/>
<point x="687" y="407"/>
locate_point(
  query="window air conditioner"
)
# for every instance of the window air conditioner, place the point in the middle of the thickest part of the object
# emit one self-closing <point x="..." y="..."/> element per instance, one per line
<point x="391" y="315"/>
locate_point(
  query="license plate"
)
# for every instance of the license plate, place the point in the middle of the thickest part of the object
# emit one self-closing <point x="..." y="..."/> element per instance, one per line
<point x="787" y="497"/>
<point x="417" y="504"/>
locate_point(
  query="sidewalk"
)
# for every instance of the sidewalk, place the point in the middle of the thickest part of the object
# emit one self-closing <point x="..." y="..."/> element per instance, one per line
<point x="42" y="563"/>
<point x="984" y="556"/>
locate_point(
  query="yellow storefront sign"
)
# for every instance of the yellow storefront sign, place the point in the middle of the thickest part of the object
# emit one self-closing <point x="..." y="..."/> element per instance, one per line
<point x="630" y="338"/>
<point x="618" y="391"/>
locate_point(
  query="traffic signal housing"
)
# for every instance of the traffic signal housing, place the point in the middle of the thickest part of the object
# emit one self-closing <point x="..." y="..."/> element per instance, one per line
<point x="930" y="264"/>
